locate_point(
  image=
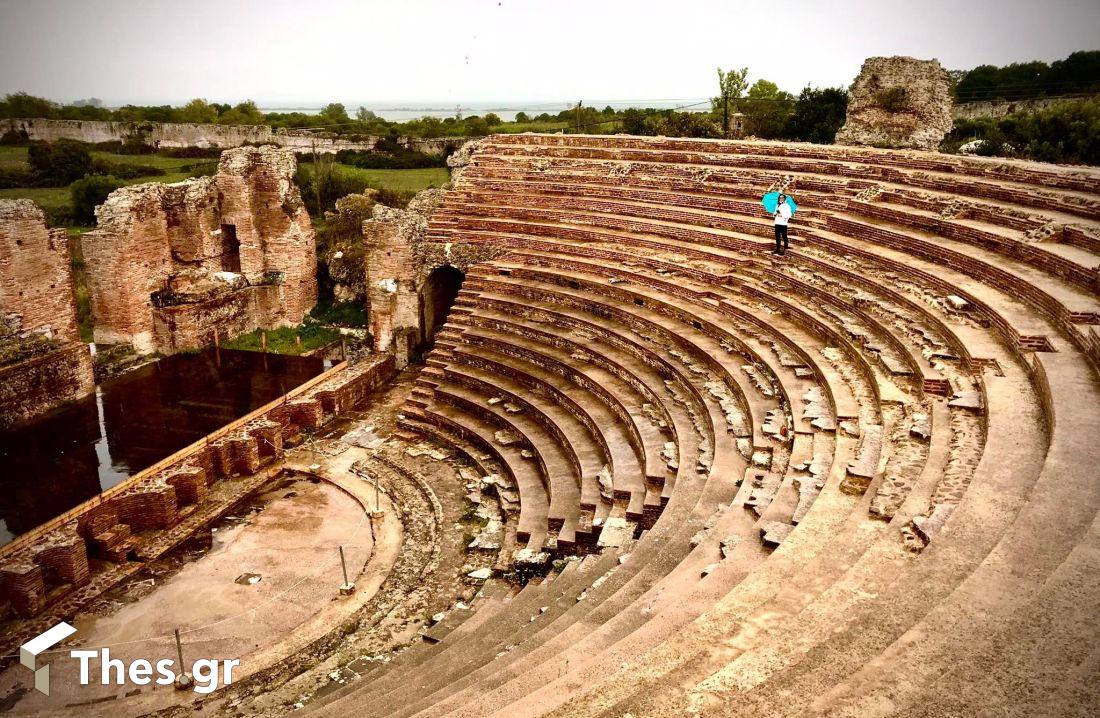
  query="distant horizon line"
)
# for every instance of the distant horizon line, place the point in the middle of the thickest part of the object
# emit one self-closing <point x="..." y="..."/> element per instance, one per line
<point x="429" y="105"/>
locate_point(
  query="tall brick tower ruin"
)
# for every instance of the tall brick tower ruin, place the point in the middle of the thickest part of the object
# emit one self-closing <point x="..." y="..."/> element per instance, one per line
<point x="170" y="265"/>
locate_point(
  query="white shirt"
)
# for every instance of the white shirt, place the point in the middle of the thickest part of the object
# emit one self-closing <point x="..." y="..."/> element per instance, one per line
<point x="782" y="213"/>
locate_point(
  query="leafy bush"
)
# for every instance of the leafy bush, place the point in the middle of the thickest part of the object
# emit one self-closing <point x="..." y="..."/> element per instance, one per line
<point x="89" y="192"/>
<point x="201" y="169"/>
<point x="1067" y="132"/>
<point x="892" y="99"/>
<point x="15" y="177"/>
<point x="136" y="145"/>
<point x="124" y="170"/>
<point x="322" y="183"/>
<point x="192" y="152"/>
<point x="341" y="314"/>
<point x="394" y="198"/>
<point x="56" y="164"/>
<point x="388" y="155"/>
<point x="14" y="137"/>
<point x="818" y="114"/>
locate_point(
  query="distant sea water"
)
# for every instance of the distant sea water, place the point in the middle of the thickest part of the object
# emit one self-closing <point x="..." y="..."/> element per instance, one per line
<point x="404" y="111"/>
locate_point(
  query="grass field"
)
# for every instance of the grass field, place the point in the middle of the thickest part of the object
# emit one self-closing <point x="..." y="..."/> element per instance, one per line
<point x="402" y="180"/>
<point x="44" y="197"/>
<point x="285" y="340"/>
<point x="12" y="156"/>
<point x="56" y="198"/>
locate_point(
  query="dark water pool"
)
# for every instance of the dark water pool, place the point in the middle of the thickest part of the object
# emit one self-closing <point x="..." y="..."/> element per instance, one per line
<point x="132" y="422"/>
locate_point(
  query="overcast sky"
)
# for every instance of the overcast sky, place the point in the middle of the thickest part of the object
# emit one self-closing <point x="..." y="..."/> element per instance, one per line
<point x="288" y="51"/>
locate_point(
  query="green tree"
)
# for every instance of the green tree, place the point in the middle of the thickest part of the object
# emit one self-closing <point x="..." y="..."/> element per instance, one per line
<point x="88" y="193"/>
<point x="731" y="86"/>
<point x="492" y="119"/>
<point x="56" y="164"/>
<point x="21" y="104"/>
<point x="689" y="124"/>
<point x="198" y="111"/>
<point x="766" y="109"/>
<point x="334" y="113"/>
<point x="817" y="115"/>
<point x="365" y="115"/>
<point x="476" y="126"/>
<point x="244" y="113"/>
<point x="522" y="117"/>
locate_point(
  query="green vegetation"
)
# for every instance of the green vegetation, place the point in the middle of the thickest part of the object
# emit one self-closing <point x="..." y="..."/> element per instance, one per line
<point x="83" y="296"/>
<point x="325" y="181"/>
<point x="1067" y="132"/>
<point x="892" y="99"/>
<point x="286" y="340"/>
<point x="67" y="179"/>
<point x="87" y="193"/>
<point x="402" y="180"/>
<point x="1077" y="74"/>
<point x="341" y="314"/>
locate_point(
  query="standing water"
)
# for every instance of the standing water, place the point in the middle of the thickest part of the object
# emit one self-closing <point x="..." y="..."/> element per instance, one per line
<point x="134" y="420"/>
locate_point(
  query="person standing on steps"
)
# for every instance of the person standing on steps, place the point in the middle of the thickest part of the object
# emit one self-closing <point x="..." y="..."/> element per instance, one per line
<point x="782" y="217"/>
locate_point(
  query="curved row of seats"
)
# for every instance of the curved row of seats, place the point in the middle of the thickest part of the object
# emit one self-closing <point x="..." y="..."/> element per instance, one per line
<point x="856" y="479"/>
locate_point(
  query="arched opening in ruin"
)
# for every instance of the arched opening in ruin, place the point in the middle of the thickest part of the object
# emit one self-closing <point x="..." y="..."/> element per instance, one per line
<point x="436" y="298"/>
<point x="231" y="249"/>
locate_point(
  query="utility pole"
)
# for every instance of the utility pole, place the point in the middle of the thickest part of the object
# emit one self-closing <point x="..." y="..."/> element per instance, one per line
<point x="577" y="114"/>
<point x="725" y="114"/>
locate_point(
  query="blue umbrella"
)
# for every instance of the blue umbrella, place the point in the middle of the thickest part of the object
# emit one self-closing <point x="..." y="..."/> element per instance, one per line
<point x="771" y="200"/>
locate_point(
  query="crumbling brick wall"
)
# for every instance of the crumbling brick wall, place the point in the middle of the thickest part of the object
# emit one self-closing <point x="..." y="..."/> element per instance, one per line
<point x="42" y="362"/>
<point x="898" y="102"/>
<point x="399" y="258"/>
<point x="168" y="256"/>
<point x="36" y="280"/>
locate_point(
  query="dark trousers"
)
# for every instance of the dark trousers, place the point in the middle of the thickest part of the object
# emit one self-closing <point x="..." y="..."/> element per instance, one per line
<point x="781" y="241"/>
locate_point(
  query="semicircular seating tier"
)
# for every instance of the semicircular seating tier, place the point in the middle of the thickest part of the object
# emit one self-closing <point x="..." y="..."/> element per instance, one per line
<point x="856" y="479"/>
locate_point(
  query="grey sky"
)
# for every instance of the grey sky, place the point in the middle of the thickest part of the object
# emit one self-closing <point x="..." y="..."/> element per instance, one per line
<point x="281" y="51"/>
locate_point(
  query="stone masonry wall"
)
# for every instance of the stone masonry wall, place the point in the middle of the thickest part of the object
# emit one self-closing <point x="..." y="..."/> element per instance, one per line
<point x="36" y="281"/>
<point x="400" y="257"/>
<point x="923" y="116"/>
<point x="175" y="135"/>
<point x="159" y="248"/>
<point x="43" y="363"/>
<point x="34" y="386"/>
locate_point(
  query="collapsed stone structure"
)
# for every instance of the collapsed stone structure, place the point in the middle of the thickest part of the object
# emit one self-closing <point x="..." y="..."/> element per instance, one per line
<point x="898" y="102"/>
<point x="42" y="361"/>
<point x="172" y="265"/>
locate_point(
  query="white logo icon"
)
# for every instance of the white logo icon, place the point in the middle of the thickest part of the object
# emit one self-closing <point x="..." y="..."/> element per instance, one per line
<point x="29" y="651"/>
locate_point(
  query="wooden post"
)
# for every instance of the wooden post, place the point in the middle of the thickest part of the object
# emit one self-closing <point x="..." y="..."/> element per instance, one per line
<point x="347" y="588"/>
<point x="183" y="679"/>
<point x="263" y="342"/>
<point x="298" y="342"/>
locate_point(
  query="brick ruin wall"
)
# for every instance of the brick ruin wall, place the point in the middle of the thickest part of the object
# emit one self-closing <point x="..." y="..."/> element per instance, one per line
<point x="165" y="135"/>
<point x="400" y="257"/>
<point x="170" y="265"/>
<point x="42" y="361"/>
<point x="921" y="117"/>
